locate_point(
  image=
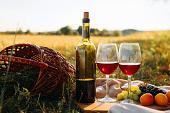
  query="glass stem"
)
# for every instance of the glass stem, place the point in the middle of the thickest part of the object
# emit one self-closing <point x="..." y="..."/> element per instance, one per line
<point x="129" y="87"/>
<point x="107" y="87"/>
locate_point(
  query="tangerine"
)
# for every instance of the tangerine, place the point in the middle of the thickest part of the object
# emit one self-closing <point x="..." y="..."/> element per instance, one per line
<point x="146" y="99"/>
<point x="161" y="99"/>
<point x="168" y="95"/>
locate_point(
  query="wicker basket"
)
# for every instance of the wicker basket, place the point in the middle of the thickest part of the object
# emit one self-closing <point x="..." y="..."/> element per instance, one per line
<point x="54" y="70"/>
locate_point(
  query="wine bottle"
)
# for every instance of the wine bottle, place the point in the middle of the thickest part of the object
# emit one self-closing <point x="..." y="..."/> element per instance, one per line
<point x="85" y="65"/>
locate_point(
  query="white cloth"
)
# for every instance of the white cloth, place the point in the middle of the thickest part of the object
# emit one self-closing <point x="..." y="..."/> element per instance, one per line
<point x="132" y="108"/>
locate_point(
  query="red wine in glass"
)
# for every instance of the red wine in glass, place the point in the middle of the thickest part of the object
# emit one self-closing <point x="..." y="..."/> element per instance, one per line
<point x="129" y="62"/>
<point x="107" y="62"/>
<point x="107" y="67"/>
<point x="129" y="68"/>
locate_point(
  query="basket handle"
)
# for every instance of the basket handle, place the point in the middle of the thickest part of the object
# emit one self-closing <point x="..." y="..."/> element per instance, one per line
<point x="10" y="58"/>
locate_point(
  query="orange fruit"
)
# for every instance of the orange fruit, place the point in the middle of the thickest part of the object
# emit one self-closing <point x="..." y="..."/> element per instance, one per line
<point x="146" y="99"/>
<point x="168" y="95"/>
<point x="161" y="99"/>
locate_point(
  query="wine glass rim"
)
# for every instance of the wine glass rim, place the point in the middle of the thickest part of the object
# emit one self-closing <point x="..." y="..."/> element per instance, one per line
<point x="107" y="44"/>
<point x="129" y="43"/>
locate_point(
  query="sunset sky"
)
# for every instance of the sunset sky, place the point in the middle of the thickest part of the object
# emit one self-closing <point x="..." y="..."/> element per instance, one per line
<point x="50" y="15"/>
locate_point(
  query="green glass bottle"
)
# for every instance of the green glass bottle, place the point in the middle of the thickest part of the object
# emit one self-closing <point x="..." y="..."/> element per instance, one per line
<point x="85" y="65"/>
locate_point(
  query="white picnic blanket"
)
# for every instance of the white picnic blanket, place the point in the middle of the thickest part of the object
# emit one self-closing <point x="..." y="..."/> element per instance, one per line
<point x="132" y="108"/>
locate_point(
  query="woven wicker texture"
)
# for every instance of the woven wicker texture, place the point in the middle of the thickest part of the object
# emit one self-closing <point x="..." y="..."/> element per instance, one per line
<point x="54" y="70"/>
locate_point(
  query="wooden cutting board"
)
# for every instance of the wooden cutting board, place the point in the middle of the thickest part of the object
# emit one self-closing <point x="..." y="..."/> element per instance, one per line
<point x="95" y="107"/>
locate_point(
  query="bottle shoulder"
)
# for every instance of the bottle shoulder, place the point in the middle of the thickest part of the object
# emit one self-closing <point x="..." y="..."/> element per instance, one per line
<point x="86" y="44"/>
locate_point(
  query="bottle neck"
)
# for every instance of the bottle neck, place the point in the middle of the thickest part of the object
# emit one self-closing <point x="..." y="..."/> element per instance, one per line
<point x="86" y="29"/>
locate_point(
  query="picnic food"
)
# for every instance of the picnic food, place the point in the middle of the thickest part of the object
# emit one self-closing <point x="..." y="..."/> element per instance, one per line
<point x="114" y="90"/>
<point x="113" y="84"/>
<point x="168" y="95"/>
<point x="146" y="99"/>
<point x="134" y="95"/>
<point x="149" y="88"/>
<point x="157" y="93"/>
<point x="160" y="95"/>
<point x="123" y="95"/>
<point x="161" y="99"/>
<point x="133" y="83"/>
<point x="100" y="92"/>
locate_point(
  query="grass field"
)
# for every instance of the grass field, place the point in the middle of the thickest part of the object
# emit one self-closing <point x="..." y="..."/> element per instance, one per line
<point x="155" y="47"/>
<point x="155" y="68"/>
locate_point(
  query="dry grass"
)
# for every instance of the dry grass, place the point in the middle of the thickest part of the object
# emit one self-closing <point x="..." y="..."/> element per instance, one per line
<point x="155" y="46"/>
<point x="66" y="44"/>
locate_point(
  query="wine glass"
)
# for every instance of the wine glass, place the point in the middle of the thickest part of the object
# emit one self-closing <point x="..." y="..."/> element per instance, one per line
<point x="107" y="62"/>
<point x="129" y="62"/>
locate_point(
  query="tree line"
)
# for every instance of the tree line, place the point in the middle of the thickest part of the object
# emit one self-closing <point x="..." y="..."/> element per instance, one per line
<point x="67" y="30"/>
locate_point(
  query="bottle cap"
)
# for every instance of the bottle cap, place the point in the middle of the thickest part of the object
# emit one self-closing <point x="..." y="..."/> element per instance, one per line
<point x="86" y="14"/>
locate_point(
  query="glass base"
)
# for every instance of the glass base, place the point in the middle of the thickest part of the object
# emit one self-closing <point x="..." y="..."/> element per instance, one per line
<point x="107" y="100"/>
<point x="127" y="101"/>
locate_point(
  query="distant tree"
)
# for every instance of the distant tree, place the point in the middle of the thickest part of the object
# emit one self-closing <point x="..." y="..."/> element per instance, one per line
<point x="129" y="31"/>
<point x="79" y="30"/>
<point x="104" y="32"/>
<point x="75" y="32"/>
<point x="10" y="32"/>
<point x="94" y="31"/>
<point x="27" y="31"/>
<point x="58" y="32"/>
<point x="39" y="33"/>
<point x="19" y="31"/>
<point x="116" y="33"/>
<point x="67" y="30"/>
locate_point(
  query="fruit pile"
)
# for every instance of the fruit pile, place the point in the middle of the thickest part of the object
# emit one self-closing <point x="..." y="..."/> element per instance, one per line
<point x="149" y="88"/>
<point x="135" y="93"/>
<point x="151" y="94"/>
<point x="147" y="94"/>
